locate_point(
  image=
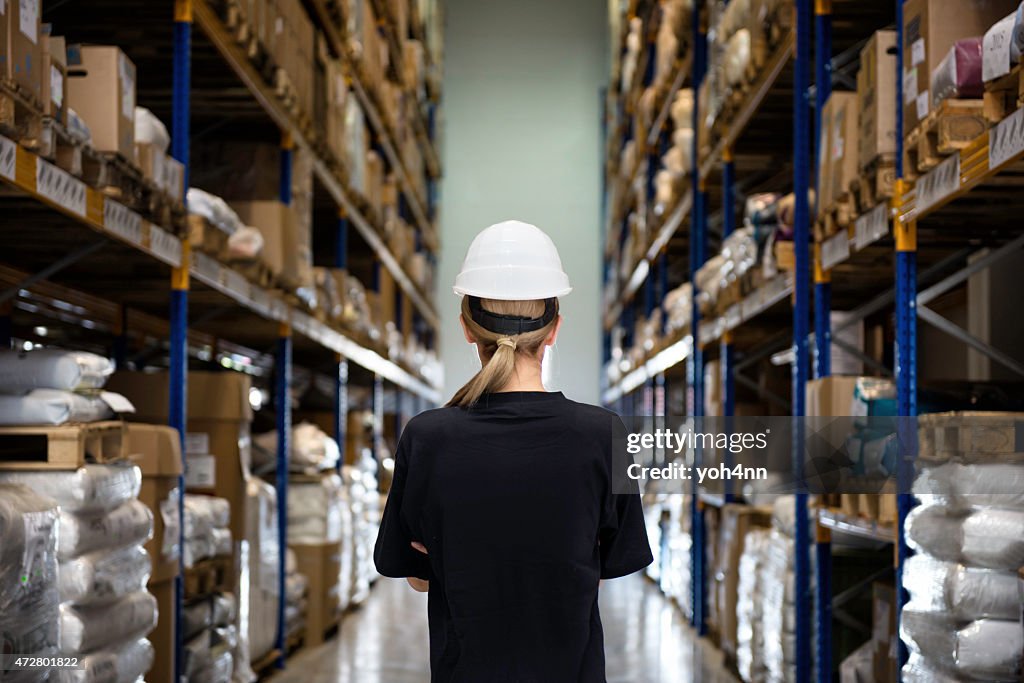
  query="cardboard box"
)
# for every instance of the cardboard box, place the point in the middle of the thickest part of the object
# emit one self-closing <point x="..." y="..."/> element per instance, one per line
<point x="876" y="98"/>
<point x="883" y="634"/>
<point x="101" y="90"/>
<point x="830" y="396"/>
<point x="839" y="132"/>
<point x="735" y="522"/>
<point x="55" y="77"/>
<point x="162" y="636"/>
<point x="150" y="159"/>
<point x="21" y="47"/>
<point x="275" y="223"/>
<point x="173" y="181"/>
<point x="785" y="259"/>
<point x="156" y="449"/>
<point x="218" y="406"/>
<point x="320" y="563"/>
<point x="930" y="27"/>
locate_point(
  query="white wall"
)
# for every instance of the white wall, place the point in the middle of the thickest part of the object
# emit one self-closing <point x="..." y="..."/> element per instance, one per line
<point x="522" y="140"/>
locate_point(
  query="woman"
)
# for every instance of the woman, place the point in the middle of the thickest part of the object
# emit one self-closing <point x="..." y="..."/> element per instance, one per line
<point x="501" y="504"/>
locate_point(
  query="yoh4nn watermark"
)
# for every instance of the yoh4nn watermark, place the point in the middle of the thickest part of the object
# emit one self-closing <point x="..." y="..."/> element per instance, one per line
<point x="680" y="472"/>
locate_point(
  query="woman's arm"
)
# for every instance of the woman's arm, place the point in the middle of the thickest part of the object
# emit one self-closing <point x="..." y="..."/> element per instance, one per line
<point x="418" y="585"/>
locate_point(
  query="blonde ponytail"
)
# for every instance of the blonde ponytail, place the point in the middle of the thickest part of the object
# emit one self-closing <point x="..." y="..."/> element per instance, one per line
<point x="499" y="349"/>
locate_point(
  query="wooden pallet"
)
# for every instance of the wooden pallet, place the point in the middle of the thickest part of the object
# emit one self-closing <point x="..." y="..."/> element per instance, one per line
<point x="970" y="436"/>
<point x="212" y="575"/>
<point x="1003" y="95"/>
<point x="66" y="447"/>
<point x="839" y="216"/>
<point x="257" y="273"/>
<point x="948" y="129"/>
<point x="116" y="177"/>
<point x="21" y="117"/>
<point x="60" y="148"/>
<point x="875" y="183"/>
<point x="206" y="237"/>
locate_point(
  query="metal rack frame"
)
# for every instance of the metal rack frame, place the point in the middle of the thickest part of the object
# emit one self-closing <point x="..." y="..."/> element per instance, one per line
<point x="992" y="153"/>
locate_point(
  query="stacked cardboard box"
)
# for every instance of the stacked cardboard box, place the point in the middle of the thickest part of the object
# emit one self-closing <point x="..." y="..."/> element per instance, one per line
<point x="22" y="46"/>
<point x="101" y="90"/>
<point x="876" y="95"/>
<point x="54" y="85"/>
<point x="839" y="133"/>
<point x="735" y="522"/>
<point x="930" y="27"/>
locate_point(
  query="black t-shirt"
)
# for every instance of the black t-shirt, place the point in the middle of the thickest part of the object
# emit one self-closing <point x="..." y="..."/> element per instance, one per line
<point x="513" y="499"/>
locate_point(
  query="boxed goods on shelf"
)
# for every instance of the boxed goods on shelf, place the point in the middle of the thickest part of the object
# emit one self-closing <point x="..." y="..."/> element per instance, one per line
<point x="876" y="109"/>
<point x="101" y="90"/>
<point x="930" y="28"/>
<point x="260" y="530"/>
<point x="219" y="414"/>
<point x="736" y="521"/>
<point x="297" y="603"/>
<point x="21" y="43"/>
<point x="320" y="563"/>
<point x="839" y="130"/>
<point x="750" y="605"/>
<point x="1001" y="52"/>
<point x="55" y="76"/>
<point x="958" y="74"/>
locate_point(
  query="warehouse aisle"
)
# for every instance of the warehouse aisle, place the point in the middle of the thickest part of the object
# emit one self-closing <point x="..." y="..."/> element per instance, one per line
<point x="648" y="641"/>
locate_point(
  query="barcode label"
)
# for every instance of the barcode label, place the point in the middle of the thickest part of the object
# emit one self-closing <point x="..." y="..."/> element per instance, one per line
<point x="8" y="157"/>
<point x="872" y="226"/>
<point x="165" y="246"/>
<point x="60" y="187"/>
<point x="122" y="221"/>
<point x="1006" y="139"/>
<point x="938" y="183"/>
<point x="835" y="250"/>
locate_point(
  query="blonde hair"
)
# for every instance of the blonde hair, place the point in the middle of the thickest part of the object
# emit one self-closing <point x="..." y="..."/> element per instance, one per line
<point x="499" y="350"/>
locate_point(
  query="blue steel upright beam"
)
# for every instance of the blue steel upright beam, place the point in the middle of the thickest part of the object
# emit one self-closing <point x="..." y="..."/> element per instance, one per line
<point x="282" y="401"/>
<point x="822" y="340"/>
<point x="694" y="365"/>
<point x="283" y="405"/>
<point x="801" y="315"/>
<point x="178" y="377"/>
<point x="906" y="342"/>
<point x="726" y="352"/>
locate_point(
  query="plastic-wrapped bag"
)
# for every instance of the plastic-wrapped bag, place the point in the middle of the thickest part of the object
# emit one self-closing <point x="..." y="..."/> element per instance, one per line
<point x="221" y="542"/>
<point x="101" y="577"/>
<point x="214" y="209"/>
<point x="994" y="538"/>
<point x="123" y="664"/>
<point x="130" y="524"/>
<point x="245" y="244"/>
<point x="993" y="484"/>
<point x="990" y="649"/>
<point x="958" y="75"/>
<point x="314" y="511"/>
<point x="89" y="489"/>
<point x="28" y="576"/>
<point x="87" y="628"/>
<point x="23" y="371"/>
<point x="150" y="130"/>
<point x="52" y="407"/>
<point x="214" y="512"/>
<point x="935" y="530"/>
<point x="966" y="593"/>
<point x="920" y="670"/>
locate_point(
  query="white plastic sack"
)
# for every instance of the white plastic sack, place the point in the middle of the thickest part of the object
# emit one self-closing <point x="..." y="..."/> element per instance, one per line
<point x="990" y="649"/>
<point x="214" y="209"/>
<point x="918" y="669"/>
<point x="52" y="407"/>
<point x="102" y="577"/>
<point x="966" y="593"/>
<point x="994" y="484"/>
<point x="314" y="511"/>
<point x="245" y="244"/>
<point x="28" y="576"/>
<point x="209" y="511"/>
<point x="150" y="130"/>
<point x="935" y="530"/>
<point x="23" y="371"/>
<point x="87" y="628"/>
<point x="123" y="664"/>
<point x="994" y="538"/>
<point x="221" y="542"/>
<point x="128" y="525"/>
<point x="89" y="489"/>
<point x="857" y="668"/>
<point x="261" y="532"/>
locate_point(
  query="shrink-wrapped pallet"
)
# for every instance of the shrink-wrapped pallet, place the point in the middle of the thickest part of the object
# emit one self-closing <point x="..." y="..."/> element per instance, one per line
<point x="23" y="371"/>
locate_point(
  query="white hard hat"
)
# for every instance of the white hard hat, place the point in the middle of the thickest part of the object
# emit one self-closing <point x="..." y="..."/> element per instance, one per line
<point x="512" y="261"/>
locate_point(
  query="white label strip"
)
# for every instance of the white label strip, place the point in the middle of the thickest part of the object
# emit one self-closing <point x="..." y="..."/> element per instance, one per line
<point x="835" y="250"/>
<point x="122" y="221"/>
<point x="206" y="269"/>
<point x="165" y="246"/>
<point x="8" y="157"/>
<point x="237" y="285"/>
<point x="60" y="187"/>
<point x="1006" y="140"/>
<point x="872" y="226"/>
<point x="938" y="183"/>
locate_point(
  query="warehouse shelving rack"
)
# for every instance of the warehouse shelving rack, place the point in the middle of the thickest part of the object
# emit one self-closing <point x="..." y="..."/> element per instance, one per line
<point x="845" y="269"/>
<point x="99" y="267"/>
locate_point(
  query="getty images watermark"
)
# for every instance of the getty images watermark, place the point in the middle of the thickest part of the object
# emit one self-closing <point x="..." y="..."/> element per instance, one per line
<point x="677" y="443"/>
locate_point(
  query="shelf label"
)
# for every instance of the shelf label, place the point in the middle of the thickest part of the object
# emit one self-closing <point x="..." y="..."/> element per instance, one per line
<point x="938" y="183"/>
<point x="872" y="226"/>
<point x="835" y="250"/>
<point x="122" y="221"/>
<point x="60" y="187"/>
<point x="995" y="49"/>
<point x="206" y="269"/>
<point x="165" y="246"/>
<point x="1006" y="140"/>
<point x="237" y="285"/>
<point x="8" y="157"/>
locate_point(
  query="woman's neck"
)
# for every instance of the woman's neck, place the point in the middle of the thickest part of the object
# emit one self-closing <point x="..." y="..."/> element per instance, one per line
<point x="527" y="376"/>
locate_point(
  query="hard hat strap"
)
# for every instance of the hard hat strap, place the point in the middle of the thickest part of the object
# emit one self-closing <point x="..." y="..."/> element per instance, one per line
<point x="510" y="324"/>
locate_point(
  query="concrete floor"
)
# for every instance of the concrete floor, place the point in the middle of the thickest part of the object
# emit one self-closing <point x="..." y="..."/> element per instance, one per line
<point x="647" y="640"/>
